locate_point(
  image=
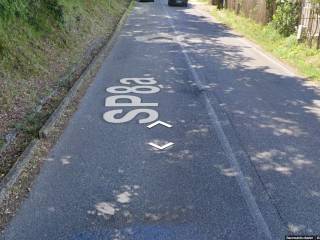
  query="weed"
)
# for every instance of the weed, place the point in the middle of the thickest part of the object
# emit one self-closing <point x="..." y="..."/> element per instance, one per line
<point x="299" y="55"/>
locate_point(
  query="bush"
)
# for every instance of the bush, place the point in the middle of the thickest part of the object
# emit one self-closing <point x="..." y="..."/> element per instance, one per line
<point x="37" y="10"/>
<point x="286" y="17"/>
<point x="56" y="9"/>
<point x="31" y="10"/>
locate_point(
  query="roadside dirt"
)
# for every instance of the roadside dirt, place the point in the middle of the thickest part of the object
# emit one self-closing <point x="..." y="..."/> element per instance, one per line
<point x="98" y="50"/>
<point x="24" y="183"/>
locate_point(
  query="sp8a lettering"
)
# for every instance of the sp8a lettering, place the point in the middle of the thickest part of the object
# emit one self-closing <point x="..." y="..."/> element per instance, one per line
<point x="122" y="98"/>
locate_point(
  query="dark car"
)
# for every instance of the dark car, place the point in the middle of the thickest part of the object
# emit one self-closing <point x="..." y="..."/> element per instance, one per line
<point x="145" y="0"/>
<point x="183" y="3"/>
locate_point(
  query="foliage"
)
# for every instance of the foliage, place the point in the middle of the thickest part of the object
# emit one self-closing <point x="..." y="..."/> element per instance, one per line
<point x="31" y="11"/>
<point x="299" y="55"/>
<point x="40" y="40"/>
<point x="286" y="17"/>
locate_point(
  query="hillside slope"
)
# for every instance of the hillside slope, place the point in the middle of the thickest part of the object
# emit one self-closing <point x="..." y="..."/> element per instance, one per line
<point x="39" y="42"/>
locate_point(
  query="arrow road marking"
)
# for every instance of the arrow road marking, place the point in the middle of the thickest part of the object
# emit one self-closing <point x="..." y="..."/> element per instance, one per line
<point x="161" y="147"/>
<point x="159" y="122"/>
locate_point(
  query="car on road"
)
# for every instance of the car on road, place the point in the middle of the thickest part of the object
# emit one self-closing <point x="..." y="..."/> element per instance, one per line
<point x="145" y="0"/>
<point x="183" y="3"/>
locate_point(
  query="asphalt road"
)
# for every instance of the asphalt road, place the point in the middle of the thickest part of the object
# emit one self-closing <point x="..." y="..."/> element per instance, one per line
<point x="244" y="133"/>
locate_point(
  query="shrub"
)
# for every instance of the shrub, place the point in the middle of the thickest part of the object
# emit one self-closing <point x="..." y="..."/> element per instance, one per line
<point x="286" y="17"/>
<point x="56" y="9"/>
<point x="31" y="10"/>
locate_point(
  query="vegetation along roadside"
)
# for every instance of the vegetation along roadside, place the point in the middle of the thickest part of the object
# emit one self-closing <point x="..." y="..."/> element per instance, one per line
<point x="278" y="39"/>
<point x="42" y="43"/>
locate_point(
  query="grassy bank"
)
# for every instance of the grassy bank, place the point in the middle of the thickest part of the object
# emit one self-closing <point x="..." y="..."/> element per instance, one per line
<point x="298" y="55"/>
<point x="39" y="42"/>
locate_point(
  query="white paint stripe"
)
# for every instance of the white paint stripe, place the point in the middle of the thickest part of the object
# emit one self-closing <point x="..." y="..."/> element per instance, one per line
<point x="267" y="57"/>
<point x="255" y="212"/>
<point x="159" y="122"/>
<point x="253" y="47"/>
<point x="161" y="147"/>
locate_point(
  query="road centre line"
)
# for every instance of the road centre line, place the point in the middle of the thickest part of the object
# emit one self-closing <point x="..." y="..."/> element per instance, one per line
<point x="255" y="212"/>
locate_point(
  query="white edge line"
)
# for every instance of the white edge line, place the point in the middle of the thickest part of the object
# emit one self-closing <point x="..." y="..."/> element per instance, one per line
<point x="248" y="42"/>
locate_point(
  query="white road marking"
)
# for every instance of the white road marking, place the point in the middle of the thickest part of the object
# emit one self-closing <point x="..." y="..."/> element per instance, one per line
<point x="124" y="92"/>
<point x="253" y="47"/>
<point x="161" y="147"/>
<point x="159" y="122"/>
<point x="275" y="62"/>
<point x="255" y="212"/>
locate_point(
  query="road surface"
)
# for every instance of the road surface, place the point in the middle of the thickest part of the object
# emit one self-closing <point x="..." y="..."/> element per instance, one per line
<point x="235" y="156"/>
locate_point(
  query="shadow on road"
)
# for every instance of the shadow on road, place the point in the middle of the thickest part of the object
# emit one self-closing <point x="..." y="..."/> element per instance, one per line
<point x="275" y="116"/>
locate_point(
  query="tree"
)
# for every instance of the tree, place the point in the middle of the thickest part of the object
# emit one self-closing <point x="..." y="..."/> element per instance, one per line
<point x="286" y="16"/>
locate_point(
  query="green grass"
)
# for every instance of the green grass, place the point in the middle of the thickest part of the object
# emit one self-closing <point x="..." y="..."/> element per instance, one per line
<point x="2" y="142"/>
<point x="39" y="42"/>
<point x="298" y="55"/>
<point x="26" y="25"/>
